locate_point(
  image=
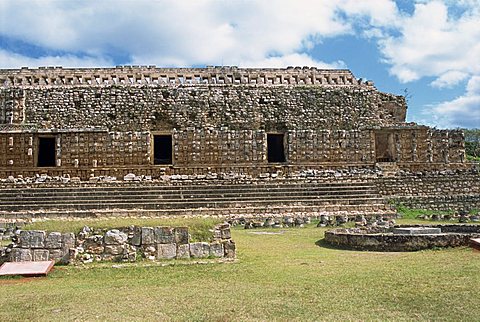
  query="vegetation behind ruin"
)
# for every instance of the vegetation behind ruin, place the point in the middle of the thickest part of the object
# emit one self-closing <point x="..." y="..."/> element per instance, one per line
<point x="472" y="144"/>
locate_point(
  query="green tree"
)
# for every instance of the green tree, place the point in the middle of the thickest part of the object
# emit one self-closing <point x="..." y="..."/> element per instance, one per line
<point x="472" y="143"/>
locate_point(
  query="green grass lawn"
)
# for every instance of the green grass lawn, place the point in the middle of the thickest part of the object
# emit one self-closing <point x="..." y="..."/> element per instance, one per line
<point x="277" y="277"/>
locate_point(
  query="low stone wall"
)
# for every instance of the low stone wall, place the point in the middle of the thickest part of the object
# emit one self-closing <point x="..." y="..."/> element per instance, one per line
<point x="123" y="244"/>
<point x="378" y="239"/>
<point x="447" y="190"/>
<point x="440" y="203"/>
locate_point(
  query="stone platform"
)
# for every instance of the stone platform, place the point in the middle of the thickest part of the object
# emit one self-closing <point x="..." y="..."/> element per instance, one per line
<point x="380" y="239"/>
<point x="417" y="231"/>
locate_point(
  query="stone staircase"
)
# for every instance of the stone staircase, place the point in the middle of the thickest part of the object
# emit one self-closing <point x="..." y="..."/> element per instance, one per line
<point x="152" y="199"/>
<point x="389" y="169"/>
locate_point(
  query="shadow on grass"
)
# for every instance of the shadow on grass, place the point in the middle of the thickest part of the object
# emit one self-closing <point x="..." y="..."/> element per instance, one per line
<point x="322" y="243"/>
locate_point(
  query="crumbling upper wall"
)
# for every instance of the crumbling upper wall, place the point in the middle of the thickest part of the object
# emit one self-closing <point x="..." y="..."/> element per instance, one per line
<point x="150" y="98"/>
<point x="151" y="75"/>
<point x="238" y="107"/>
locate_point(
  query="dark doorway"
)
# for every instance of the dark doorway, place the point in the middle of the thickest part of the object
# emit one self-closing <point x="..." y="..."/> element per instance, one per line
<point x="46" y="152"/>
<point x="276" y="150"/>
<point x="385" y="147"/>
<point x="162" y="149"/>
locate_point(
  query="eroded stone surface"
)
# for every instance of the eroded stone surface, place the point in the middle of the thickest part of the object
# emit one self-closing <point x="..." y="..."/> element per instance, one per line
<point x="115" y="237"/>
<point x="164" y="235"/>
<point x="417" y="230"/>
<point x="54" y="240"/>
<point x="21" y="255"/>
<point x="199" y="250"/>
<point x="183" y="251"/>
<point x="148" y="235"/>
<point x="216" y="250"/>
<point x="166" y="251"/>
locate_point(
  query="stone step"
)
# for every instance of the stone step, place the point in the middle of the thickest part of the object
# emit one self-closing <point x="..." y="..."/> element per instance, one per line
<point x="254" y="211"/>
<point x="180" y="199"/>
<point x="184" y="195"/>
<point x="171" y="188"/>
<point x="208" y="203"/>
<point x="187" y="194"/>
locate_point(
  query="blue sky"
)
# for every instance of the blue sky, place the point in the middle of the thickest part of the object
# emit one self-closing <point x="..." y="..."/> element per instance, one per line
<point x="429" y="49"/>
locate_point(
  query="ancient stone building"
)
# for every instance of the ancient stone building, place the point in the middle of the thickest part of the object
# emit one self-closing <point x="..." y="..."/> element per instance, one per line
<point x="155" y="121"/>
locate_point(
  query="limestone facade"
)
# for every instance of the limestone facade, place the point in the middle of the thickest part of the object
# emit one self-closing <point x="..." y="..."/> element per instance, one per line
<point x="156" y="121"/>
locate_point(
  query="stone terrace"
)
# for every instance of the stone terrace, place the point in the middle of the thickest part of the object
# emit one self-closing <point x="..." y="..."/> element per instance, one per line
<point x="210" y="198"/>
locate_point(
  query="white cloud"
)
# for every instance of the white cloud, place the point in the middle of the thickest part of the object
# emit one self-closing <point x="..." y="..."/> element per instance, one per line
<point x="434" y="43"/>
<point x="180" y="33"/>
<point x="293" y="60"/>
<point x="13" y="60"/>
<point x="440" y="39"/>
<point x="449" y="79"/>
<point x="378" y="13"/>
<point x="464" y="111"/>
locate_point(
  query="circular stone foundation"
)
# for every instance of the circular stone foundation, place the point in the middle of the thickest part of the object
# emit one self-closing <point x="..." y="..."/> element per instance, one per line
<point x="403" y="238"/>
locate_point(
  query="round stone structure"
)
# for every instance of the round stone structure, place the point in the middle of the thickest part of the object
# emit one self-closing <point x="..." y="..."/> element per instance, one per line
<point x="403" y="237"/>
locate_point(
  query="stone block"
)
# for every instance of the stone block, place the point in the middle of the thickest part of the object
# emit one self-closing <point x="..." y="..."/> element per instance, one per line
<point x="166" y="251"/>
<point x="148" y="236"/>
<point x="225" y="233"/>
<point x="416" y="231"/>
<point x="181" y="235"/>
<point x="217" y="234"/>
<point x="31" y="239"/>
<point x="229" y="248"/>
<point x="114" y="249"/>
<point x="216" y="250"/>
<point x="136" y="236"/>
<point x="164" y="235"/>
<point x="183" y="251"/>
<point x="115" y="237"/>
<point x="68" y="240"/>
<point x="59" y="255"/>
<point x="54" y="240"/>
<point x="199" y="250"/>
<point x="21" y="255"/>
<point x="40" y="255"/>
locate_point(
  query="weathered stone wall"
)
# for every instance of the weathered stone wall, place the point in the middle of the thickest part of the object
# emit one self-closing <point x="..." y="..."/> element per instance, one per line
<point x="214" y="147"/>
<point x="36" y="245"/>
<point x="241" y="107"/>
<point x="104" y="121"/>
<point x="433" y="191"/>
<point x="190" y="147"/>
<point x="124" y="244"/>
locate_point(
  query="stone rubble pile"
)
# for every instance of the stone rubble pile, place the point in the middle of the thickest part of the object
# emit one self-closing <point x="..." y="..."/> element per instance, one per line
<point x="360" y="221"/>
<point x="461" y="216"/>
<point x="230" y="176"/>
<point x="8" y="229"/>
<point x="272" y="222"/>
